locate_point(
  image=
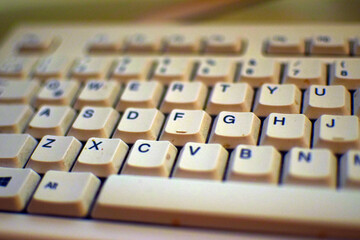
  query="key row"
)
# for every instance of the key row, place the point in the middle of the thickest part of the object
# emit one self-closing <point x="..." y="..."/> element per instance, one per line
<point x="71" y="193"/>
<point x="237" y="97"/>
<point x="283" y="131"/>
<point x="255" y="72"/>
<point x="322" y="44"/>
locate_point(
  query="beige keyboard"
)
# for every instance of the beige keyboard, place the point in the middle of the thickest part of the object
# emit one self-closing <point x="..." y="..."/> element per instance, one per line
<point x="216" y="132"/>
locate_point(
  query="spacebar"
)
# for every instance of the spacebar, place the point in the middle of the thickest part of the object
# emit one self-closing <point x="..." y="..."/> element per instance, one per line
<point x="226" y="205"/>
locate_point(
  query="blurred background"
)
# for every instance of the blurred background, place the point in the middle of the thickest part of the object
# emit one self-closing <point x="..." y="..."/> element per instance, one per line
<point x="13" y="12"/>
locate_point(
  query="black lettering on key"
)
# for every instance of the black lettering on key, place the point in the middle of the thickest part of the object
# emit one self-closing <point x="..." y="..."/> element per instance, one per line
<point x="276" y="120"/>
<point x="357" y="159"/>
<point x="178" y="115"/>
<point x="51" y="185"/>
<point x="95" y="145"/>
<point x="192" y="151"/>
<point x="45" y="112"/>
<point x="229" y="119"/>
<point x="88" y="113"/>
<point x="47" y="144"/>
<point x="177" y="86"/>
<point x="142" y="148"/>
<point x="320" y="94"/>
<point x="224" y="87"/>
<point x="4" y="181"/>
<point x="304" y="156"/>
<point x="332" y="124"/>
<point x="272" y="89"/>
<point x="245" y="153"/>
<point x="132" y="115"/>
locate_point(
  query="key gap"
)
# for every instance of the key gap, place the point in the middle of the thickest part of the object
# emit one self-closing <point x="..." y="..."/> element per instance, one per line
<point x="338" y="156"/>
<point x="283" y="153"/>
<point x="194" y="71"/>
<point x="175" y="161"/>
<point x="237" y="74"/>
<point x="262" y="120"/>
<point x="227" y="164"/>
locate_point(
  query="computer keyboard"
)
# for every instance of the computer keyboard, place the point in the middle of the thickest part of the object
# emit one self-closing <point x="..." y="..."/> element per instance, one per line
<point x="217" y="132"/>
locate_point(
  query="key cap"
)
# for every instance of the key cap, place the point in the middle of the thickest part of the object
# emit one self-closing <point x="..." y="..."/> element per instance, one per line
<point x="32" y="42"/>
<point x="314" y="167"/>
<point x="178" y="43"/>
<point x="232" y="97"/>
<point x="140" y="94"/>
<point x="103" y="43"/>
<point x="141" y="43"/>
<point x="337" y="133"/>
<point x="254" y="164"/>
<point x="356" y="102"/>
<point x="284" y="98"/>
<point x="52" y="120"/>
<point x="187" y="95"/>
<point x="284" y="131"/>
<point x="304" y="73"/>
<point x="98" y="93"/>
<point x="257" y="72"/>
<point x="150" y="158"/>
<point x="14" y="118"/>
<point x="131" y="68"/>
<point x="57" y="92"/>
<point x="16" y="188"/>
<point x="346" y="73"/>
<point x="94" y="122"/>
<point x="122" y="198"/>
<point x="320" y="100"/>
<point x="202" y="161"/>
<point x="329" y="45"/>
<point x="139" y="123"/>
<point x="89" y="68"/>
<point x="64" y="194"/>
<point x="233" y="128"/>
<point x="218" y="43"/>
<point x="211" y="71"/>
<point x="350" y="169"/>
<point x="172" y="69"/>
<point x="184" y="126"/>
<point x="54" y="153"/>
<point x="285" y="44"/>
<point x="51" y="67"/>
<point x="101" y="156"/>
<point x="15" y="67"/>
<point x="15" y="149"/>
<point x="18" y="91"/>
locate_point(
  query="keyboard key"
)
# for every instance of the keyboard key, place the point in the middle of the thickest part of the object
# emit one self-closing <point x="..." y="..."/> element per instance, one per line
<point x="257" y="72"/>
<point x="346" y="73"/>
<point x="187" y="95"/>
<point x="177" y="43"/>
<point x="254" y="164"/>
<point x="103" y="43"/>
<point x="285" y="44"/>
<point x="227" y="205"/>
<point x="329" y="45"/>
<point x="337" y="133"/>
<point x="232" y="97"/>
<point x="284" y="98"/>
<point x="15" y="149"/>
<point x="14" y="118"/>
<point x="51" y="120"/>
<point x="16" y="188"/>
<point x="284" y="131"/>
<point x="32" y="42"/>
<point x="101" y="156"/>
<point x="218" y="43"/>
<point x="139" y="123"/>
<point x="15" y="67"/>
<point x="141" y="43"/>
<point x="320" y="100"/>
<point x="64" y="194"/>
<point x="98" y="93"/>
<point x="89" y="68"/>
<point x="18" y="91"/>
<point x="94" y="122"/>
<point x="51" y="67"/>
<point x="304" y="73"/>
<point x="202" y="161"/>
<point x="150" y="158"/>
<point x="233" y="128"/>
<point x="350" y="169"/>
<point x="172" y="69"/>
<point x="131" y="68"/>
<point x="214" y="70"/>
<point x="54" y="153"/>
<point x="140" y="94"/>
<point x="57" y="92"/>
<point x="184" y="126"/>
<point x="314" y="167"/>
